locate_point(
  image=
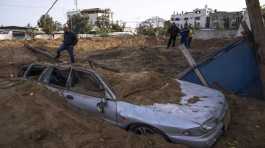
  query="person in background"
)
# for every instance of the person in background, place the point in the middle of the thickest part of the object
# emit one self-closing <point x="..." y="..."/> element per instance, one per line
<point x="184" y="35"/>
<point x="173" y="31"/>
<point x="190" y="34"/>
<point x="70" y="40"/>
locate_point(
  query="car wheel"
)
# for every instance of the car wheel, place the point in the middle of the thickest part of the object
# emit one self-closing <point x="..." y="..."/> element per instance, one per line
<point x="142" y="130"/>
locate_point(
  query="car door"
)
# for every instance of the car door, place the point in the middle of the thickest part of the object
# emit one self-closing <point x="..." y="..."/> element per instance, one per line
<point x="86" y="92"/>
<point x="55" y="78"/>
<point x="110" y="108"/>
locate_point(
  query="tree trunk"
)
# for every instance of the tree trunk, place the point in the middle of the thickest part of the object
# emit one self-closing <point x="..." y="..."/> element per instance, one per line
<point x="258" y="29"/>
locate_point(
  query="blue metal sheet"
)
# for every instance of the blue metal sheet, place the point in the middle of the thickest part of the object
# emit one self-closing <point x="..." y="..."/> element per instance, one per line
<point x="233" y="68"/>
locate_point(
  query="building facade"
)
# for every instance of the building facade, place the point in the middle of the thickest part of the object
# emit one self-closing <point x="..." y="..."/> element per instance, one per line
<point x="16" y="32"/>
<point x="198" y="18"/>
<point x="208" y="18"/>
<point x="225" y="20"/>
<point x="93" y="14"/>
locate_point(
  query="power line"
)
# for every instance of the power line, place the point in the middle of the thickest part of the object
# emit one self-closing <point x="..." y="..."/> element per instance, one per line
<point x="19" y="6"/>
<point x="25" y="6"/>
<point x="51" y="7"/>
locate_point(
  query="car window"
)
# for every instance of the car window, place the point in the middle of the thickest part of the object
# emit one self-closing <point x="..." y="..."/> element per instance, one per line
<point x="59" y="77"/>
<point x="86" y="83"/>
<point x="35" y="71"/>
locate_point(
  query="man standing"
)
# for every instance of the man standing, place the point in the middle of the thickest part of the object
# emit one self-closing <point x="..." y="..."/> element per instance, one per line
<point x="173" y="31"/>
<point x="190" y="37"/>
<point x="70" y="40"/>
<point x="184" y="36"/>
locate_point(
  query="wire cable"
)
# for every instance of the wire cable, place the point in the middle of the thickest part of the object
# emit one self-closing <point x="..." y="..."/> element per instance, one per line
<point x="51" y="7"/>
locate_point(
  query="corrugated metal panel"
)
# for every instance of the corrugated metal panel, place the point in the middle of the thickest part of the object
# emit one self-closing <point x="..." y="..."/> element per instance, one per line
<point x="233" y="68"/>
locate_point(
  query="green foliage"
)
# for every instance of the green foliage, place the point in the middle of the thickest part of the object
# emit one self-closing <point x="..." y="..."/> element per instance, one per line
<point x="79" y="24"/>
<point x="103" y="23"/>
<point x="47" y="24"/>
<point x="147" y="28"/>
<point x="116" y="27"/>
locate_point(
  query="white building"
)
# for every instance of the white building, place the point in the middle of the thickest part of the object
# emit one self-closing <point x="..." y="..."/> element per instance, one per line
<point x="198" y="18"/>
<point x="92" y="13"/>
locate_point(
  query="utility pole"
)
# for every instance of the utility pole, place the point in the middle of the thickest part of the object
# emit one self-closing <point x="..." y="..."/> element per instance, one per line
<point x="258" y="29"/>
<point x="76" y="6"/>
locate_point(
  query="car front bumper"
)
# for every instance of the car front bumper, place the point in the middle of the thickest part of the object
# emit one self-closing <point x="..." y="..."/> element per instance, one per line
<point x="203" y="141"/>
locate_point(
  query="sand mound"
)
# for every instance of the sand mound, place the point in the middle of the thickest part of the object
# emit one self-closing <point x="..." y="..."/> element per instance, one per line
<point x="102" y="43"/>
<point x="11" y="44"/>
<point x="11" y="59"/>
<point x="143" y="88"/>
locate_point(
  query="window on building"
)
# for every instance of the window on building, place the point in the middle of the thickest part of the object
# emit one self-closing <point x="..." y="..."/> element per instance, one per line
<point x="186" y="18"/>
<point x="197" y="18"/>
<point x="177" y="19"/>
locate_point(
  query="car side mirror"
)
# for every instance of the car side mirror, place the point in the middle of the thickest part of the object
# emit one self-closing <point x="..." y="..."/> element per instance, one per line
<point x="101" y="105"/>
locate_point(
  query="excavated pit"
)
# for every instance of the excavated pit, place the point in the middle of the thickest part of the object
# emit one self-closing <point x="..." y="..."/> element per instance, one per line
<point x="32" y="116"/>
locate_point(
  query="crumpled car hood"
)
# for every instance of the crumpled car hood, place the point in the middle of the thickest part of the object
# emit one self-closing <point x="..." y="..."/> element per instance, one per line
<point x="210" y="104"/>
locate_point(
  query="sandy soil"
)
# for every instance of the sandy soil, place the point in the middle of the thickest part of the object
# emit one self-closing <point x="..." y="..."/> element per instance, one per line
<point x="32" y="116"/>
<point x="143" y="88"/>
<point x="168" y="62"/>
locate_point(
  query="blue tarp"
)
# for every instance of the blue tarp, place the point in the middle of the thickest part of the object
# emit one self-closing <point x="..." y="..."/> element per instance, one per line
<point x="233" y="68"/>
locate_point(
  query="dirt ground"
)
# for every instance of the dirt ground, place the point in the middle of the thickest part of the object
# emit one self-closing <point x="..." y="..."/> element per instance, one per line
<point x="32" y="116"/>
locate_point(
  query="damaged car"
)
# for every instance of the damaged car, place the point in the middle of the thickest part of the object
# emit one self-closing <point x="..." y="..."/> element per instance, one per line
<point x="197" y="124"/>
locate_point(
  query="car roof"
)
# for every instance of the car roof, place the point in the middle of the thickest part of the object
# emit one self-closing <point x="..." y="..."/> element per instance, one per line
<point x="65" y="66"/>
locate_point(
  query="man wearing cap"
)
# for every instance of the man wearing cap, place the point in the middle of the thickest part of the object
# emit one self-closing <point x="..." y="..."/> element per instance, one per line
<point x="70" y="40"/>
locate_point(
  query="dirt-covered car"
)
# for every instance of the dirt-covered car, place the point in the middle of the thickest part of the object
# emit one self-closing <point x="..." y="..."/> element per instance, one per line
<point x="197" y="120"/>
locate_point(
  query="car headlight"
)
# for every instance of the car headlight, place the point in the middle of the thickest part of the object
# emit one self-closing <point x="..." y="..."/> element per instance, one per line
<point x="209" y="125"/>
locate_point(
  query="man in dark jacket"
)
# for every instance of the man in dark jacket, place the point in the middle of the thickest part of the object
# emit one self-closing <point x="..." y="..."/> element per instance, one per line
<point x="70" y="40"/>
<point x="184" y="33"/>
<point x="173" y="31"/>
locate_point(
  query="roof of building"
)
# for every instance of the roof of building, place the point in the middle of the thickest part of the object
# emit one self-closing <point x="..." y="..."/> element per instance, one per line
<point x="16" y="28"/>
<point x="95" y="10"/>
<point x="226" y="12"/>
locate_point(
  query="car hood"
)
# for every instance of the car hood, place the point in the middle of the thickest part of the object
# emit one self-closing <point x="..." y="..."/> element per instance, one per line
<point x="208" y="104"/>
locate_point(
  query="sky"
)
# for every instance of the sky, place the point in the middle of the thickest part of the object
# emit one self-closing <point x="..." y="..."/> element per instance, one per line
<point x="23" y="12"/>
